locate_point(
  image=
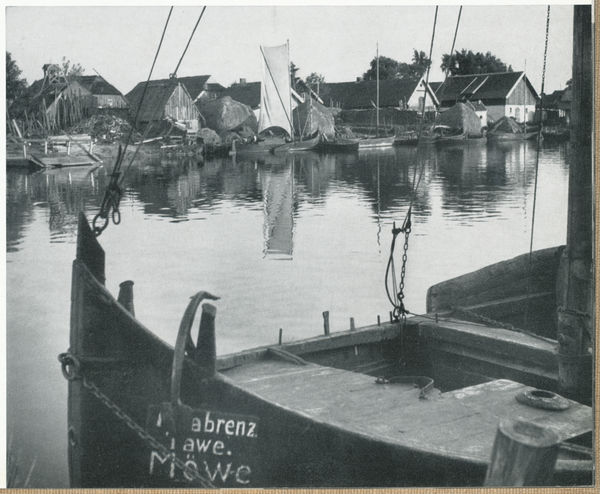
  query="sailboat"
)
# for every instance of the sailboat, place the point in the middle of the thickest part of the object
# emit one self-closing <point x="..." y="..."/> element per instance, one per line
<point x="376" y="142"/>
<point x="276" y="106"/>
<point x="395" y="404"/>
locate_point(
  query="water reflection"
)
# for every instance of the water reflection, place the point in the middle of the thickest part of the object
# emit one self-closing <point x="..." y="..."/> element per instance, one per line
<point x="475" y="180"/>
<point x="219" y="224"/>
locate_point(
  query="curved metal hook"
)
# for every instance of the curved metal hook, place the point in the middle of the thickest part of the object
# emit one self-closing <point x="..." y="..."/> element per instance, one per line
<point x="183" y="337"/>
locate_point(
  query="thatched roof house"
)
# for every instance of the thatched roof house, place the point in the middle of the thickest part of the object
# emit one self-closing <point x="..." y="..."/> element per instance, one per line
<point x="393" y="93"/>
<point x="105" y="94"/>
<point x="508" y="94"/>
<point x="461" y="119"/>
<point x="166" y="98"/>
<point x="247" y="93"/>
<point x="201" y="87"/>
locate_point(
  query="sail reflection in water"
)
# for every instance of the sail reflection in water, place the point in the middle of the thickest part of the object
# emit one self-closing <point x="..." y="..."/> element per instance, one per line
<point x="277" y="184"/>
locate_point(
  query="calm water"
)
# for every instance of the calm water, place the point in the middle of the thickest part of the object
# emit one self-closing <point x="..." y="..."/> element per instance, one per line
<point x="280" y="240"/>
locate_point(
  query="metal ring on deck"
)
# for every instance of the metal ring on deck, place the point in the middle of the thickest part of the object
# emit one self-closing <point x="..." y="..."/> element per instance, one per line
<point x="70" y="366"/>
<point x="546" y="400"/>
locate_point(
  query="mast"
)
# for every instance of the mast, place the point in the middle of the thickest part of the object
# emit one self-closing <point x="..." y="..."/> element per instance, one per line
<point x="575" y="284"/>
<point x="377" y="109"/>
<point x="290" y="95"/>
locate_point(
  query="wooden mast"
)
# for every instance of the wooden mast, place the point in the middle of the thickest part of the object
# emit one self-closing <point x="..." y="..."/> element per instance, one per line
<point x="575" y="285"/>
<point x="377" y="109"/>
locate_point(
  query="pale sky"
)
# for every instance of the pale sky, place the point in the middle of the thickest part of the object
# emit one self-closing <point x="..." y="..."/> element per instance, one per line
<point x="337" y="41"/>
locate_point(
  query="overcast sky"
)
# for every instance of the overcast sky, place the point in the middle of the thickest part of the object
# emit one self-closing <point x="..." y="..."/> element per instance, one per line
<point x="336" y="41"/>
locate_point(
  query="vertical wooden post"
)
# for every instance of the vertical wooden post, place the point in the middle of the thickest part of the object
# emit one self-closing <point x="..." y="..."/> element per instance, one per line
<point x="575" y="283"/>
<point x="125" y="297"/>
<point x="206" y="348"/>
<point x="524" y="454"/>
<point x="326" y="322"/>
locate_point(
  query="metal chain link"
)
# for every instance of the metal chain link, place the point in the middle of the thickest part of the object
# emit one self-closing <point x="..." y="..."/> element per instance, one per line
<point x="68" y="359"/>
<point x="402" y="310"/>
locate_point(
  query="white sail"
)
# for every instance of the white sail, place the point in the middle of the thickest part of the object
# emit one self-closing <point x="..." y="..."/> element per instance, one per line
<point x="275" y="100"/>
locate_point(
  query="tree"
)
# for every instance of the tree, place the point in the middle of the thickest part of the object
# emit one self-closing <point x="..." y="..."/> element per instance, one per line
<point x="293" y="78"/>
<point x="68" y="70"/>
<point x="388" y="69"/>
<point x="392" y="69"/>
<point x="466" y="62"/>
<point x="314" y="81"/>
<point x="420" y="63"/>
<point x="16" y="87"/>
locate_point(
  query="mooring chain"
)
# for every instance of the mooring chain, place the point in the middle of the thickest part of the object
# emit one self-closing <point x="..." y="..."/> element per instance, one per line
<point x="71" y="369"/>
<point x="109" y="208"/>
<point x="400" y="311"/>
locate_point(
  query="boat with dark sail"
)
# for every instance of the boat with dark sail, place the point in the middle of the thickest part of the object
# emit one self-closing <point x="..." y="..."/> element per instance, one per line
<point x="417" y="401"/>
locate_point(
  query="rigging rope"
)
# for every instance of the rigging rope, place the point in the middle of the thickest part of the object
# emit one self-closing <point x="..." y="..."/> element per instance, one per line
<point x="397" y="301"/>
<point x="114" y="191"/>
<point x="537" y="161"/>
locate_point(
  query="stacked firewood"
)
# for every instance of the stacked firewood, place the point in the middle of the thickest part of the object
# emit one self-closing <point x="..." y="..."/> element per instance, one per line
<point x="104" y="128"/>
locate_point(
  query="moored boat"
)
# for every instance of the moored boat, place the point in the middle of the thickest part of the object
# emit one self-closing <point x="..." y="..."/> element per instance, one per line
<point x="400" y="404"/>
<point x="310" y="413"/>
<point x="338" y="145"/>
<point x="506" y="129"/>
<point x="308" y="144"/>
<point x="376" y="142"/>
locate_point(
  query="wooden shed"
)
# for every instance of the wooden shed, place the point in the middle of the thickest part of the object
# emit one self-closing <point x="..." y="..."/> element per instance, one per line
<point x="105" y="94"/>
<point x="166" y="98"/>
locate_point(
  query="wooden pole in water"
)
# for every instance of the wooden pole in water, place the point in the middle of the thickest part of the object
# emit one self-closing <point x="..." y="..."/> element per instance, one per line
<point x="524" y="454"/>
<point x="575" y="284"/>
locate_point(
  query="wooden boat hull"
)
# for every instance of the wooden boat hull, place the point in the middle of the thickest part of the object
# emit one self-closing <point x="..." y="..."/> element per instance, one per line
<point x="339" y="146"/>
<point x="408" y="139"/>
<point x="298" y="146"/>
<point x="320" y="417"/>
<point x="261" y="147"/>
<point x="511" y="136"/>
<point x="376" y="142"/>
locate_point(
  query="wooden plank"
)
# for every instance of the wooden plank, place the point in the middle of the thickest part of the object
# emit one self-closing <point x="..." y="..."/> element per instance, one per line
<point x="498" y="281"/>
<point x="63" y="160"/>
<point x="461" y="423"/>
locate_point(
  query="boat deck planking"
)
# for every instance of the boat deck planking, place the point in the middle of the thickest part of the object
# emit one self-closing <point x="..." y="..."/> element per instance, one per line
<point x="462" y="422"/>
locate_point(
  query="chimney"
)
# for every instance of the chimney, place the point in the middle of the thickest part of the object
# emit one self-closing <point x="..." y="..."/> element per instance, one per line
<point x="242" y="82"/>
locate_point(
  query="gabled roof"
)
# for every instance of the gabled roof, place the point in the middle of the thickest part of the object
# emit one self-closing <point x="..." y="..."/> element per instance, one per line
<point x="491" y="86"/>
<point x="247" y="93"/>
<point x="194" y="84"/>
<point x="363" y="94"/>
<point x="155" y="98"/>
<point x="96" y="84"/>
